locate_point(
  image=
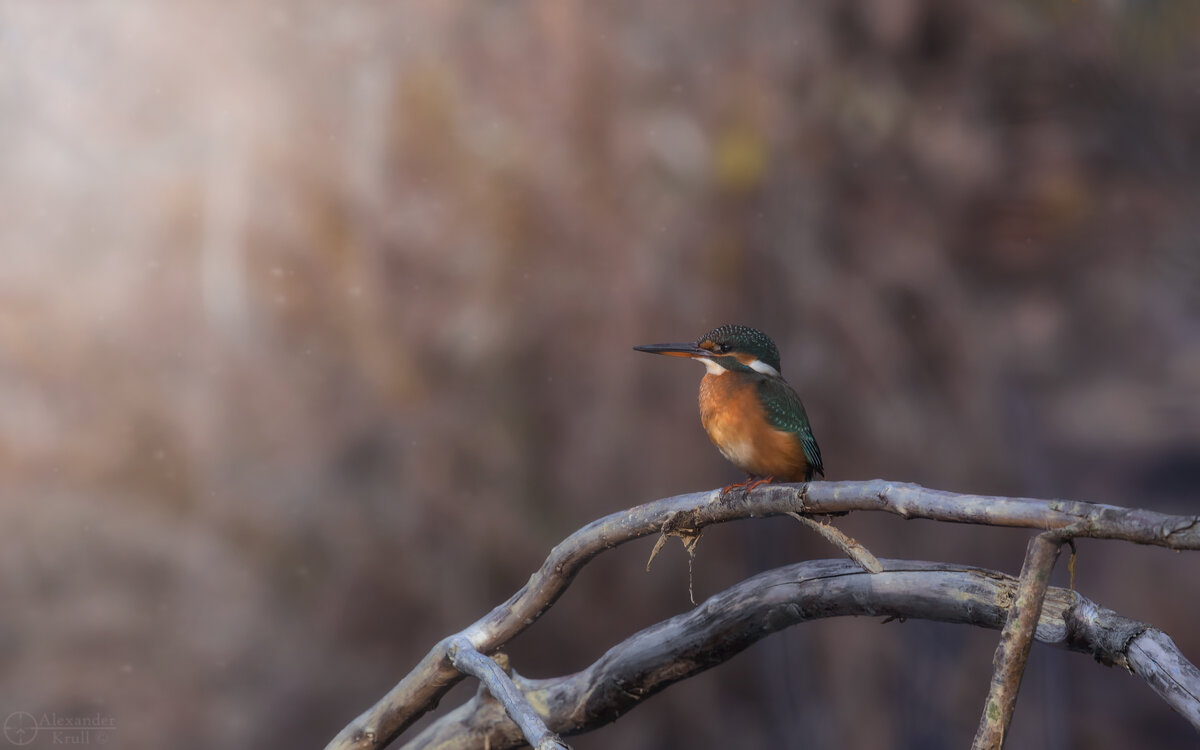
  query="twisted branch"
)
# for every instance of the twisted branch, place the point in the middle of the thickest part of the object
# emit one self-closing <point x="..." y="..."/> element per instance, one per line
<point x="734" y="619"/>
<point x="420" y="690"/>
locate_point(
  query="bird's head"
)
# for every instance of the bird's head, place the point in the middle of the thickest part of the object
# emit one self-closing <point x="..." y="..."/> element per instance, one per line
<point x="725" y="348"/>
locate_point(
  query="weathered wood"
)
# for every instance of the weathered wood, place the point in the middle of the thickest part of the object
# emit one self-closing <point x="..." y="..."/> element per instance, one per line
<point x="421" y="689"/>
<point x="850" y="547"/>
<point x="502" y="690"/>
<point x="1016" y="639"/>
<point x="1156" y="659"/>
<point x="734" y="619"/>
<point x="1084" y="520"/>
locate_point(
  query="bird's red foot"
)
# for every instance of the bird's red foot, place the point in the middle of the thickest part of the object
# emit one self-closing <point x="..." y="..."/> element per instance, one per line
<point x="747" y="485"/>
<point x="736" y="485"/>
<point x="757" y="482"/>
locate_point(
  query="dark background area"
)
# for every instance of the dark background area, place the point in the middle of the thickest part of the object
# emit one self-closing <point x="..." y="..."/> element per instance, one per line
<point x="315" y="329"/>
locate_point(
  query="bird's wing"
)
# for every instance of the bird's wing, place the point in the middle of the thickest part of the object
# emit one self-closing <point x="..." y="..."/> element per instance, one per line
<point x="786" y="412"/>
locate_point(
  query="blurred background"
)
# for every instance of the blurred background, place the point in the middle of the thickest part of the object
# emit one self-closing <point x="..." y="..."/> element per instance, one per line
<point x="315" y="329"/>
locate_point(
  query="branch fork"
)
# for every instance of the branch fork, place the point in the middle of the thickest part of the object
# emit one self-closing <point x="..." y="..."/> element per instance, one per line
<point x="1145" y="650"/>
<point x="468" y="660"/>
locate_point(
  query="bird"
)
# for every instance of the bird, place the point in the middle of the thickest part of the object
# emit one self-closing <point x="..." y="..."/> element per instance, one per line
<point x="749" y="411"/>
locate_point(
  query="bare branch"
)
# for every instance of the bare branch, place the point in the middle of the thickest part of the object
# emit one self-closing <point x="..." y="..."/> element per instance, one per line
<point x="1084" y="520"/>
<point x="848" y="545"/>
<point x="1156" y="659"/>
<point x="1016" y="639"/>
<point x="469" y="661"/>
<point x="434" y="675"/>
<point x="732" y="620"/>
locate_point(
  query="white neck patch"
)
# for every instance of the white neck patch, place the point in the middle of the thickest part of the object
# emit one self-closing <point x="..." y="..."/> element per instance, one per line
<point x="759" y="366"/>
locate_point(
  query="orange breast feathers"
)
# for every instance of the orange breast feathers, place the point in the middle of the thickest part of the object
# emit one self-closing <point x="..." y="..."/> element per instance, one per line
<point x="735" y="421"/>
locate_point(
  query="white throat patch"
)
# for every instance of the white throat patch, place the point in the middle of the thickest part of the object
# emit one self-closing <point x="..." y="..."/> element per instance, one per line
<point x="712" y="367"/>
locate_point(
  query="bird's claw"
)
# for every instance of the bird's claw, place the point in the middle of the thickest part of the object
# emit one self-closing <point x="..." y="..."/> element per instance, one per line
<point x="746" y="486"/>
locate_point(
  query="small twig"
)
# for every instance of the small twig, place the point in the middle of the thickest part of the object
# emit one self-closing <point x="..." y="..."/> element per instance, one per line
<point x="1016" y="639"/>
<point x="468" y="660"/>
<point x="851" y="547"/>
<point x="1071" y="562"/>
<point x="658" y="545"/>
<point x="689" y="538"/>
<point x="689" y="543"/>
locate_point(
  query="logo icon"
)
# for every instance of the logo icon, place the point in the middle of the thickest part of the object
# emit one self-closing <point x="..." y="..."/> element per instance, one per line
<point x="20" y="728"/>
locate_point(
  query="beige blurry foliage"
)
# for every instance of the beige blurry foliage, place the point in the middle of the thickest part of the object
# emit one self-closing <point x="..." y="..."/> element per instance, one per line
<point x="315" y="320"/>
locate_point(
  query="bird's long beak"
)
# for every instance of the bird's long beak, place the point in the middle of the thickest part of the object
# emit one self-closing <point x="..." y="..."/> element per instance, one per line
<point x="676" y="350"/>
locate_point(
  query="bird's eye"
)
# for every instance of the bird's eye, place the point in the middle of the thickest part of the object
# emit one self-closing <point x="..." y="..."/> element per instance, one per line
<point x="721" y="348"/>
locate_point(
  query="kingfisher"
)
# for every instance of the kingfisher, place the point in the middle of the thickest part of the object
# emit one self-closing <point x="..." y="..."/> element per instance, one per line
<point x="748" y="410"/>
